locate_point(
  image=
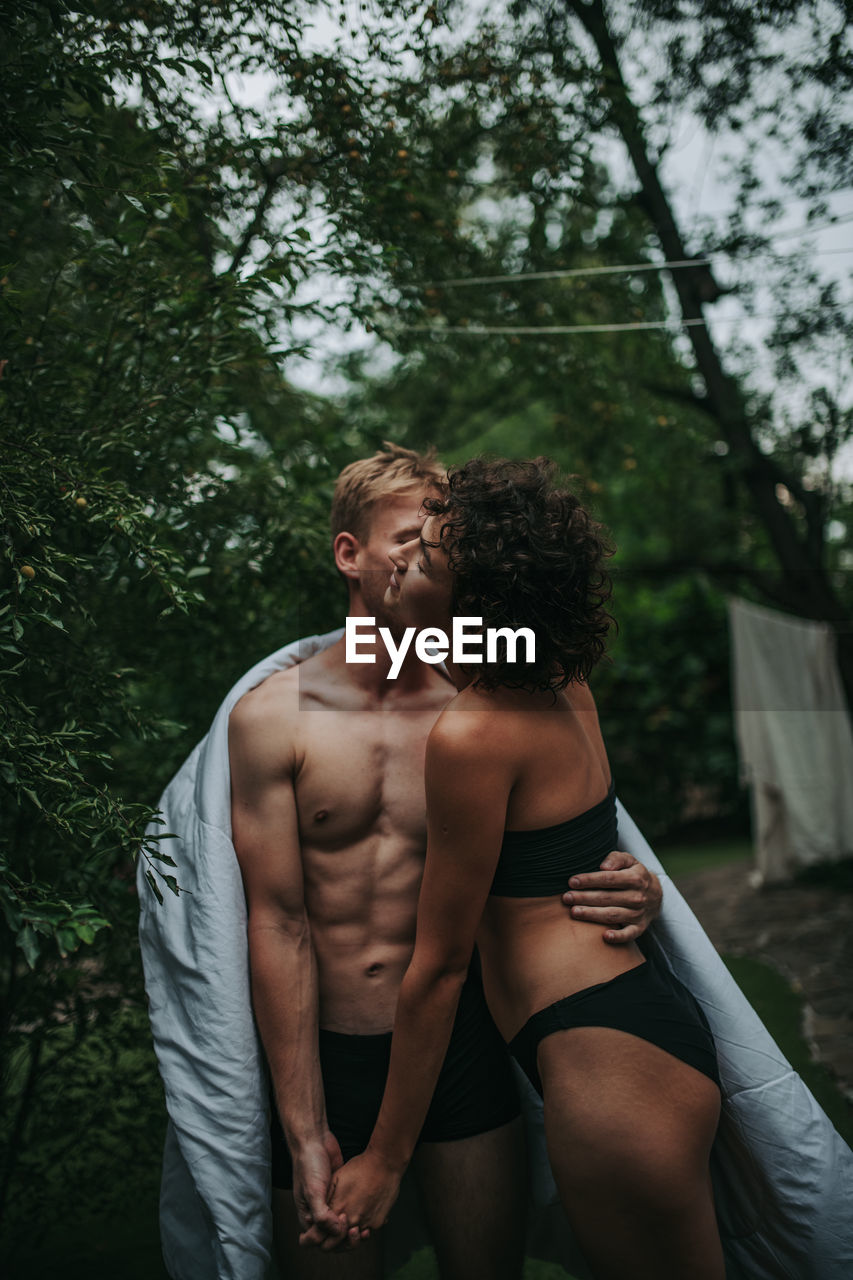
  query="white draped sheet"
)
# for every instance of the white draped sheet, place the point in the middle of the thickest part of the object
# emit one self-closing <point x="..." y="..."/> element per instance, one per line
<point x="783" y="1176"/>
<point x="794" y="738"/>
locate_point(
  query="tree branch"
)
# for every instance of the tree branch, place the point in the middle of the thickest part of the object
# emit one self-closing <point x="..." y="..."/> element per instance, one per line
<point x="273" y="174"/>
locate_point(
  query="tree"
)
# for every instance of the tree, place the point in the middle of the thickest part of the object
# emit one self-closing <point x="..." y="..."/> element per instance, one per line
<point x="543" y="96"/>
<point x="731" y="64"/>
<point x="151" y="448"/>
<point x="590" y="401"/>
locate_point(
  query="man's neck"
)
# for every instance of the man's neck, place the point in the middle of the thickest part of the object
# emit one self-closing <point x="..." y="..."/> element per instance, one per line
<point x="374" y="678"/>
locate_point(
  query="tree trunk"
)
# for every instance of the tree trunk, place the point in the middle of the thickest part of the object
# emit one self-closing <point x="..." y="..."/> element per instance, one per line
<point x="804" y="582"/>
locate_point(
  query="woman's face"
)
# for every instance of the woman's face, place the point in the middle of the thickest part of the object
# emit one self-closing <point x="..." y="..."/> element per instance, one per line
<point x="421" y="585"/>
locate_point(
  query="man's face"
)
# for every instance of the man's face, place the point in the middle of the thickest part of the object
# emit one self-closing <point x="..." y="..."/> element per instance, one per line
<point x="395" y="521"/>
<point x="421" y="587"/>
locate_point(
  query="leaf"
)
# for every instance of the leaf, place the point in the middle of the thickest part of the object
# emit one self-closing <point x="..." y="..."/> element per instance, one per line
<point x="149" y="876"/>
<point x="17" y="628"/>
<point x="162" y="857"/>
<point x="132" y="200"/>
<point x="67" y="940"/>
<point x="51" y="622"/>
<point x="179" y="204"/>
<point x="12" y="914"/>
<point x="29" y="943"/>
<point x="203" y="70"/>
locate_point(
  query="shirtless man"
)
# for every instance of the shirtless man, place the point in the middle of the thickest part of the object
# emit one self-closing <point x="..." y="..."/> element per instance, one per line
<point x="328" y="816"/>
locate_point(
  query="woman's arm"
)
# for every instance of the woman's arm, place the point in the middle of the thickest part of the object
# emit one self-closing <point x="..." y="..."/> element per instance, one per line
<point x="468" y="780"/>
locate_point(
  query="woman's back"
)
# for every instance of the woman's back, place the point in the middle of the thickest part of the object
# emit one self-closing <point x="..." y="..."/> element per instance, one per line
<point x="561" y="799"/>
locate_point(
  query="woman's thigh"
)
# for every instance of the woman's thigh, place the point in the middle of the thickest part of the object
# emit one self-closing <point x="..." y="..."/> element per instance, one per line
<point x="629" y="1131"/>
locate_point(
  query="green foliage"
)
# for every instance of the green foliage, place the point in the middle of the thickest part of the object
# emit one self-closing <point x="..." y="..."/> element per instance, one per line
<point x="151" y="448"/>
<point x="154" y="463"/>
<point x="93" y="1155"/>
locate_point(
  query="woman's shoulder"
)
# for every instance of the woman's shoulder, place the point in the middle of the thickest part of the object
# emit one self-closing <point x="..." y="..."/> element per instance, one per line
<point x="472" y="726"/>
<point x="458" y="721"/>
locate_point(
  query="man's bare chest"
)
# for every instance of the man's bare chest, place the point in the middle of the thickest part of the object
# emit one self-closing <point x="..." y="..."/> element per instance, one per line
<point x="361" y="774"/>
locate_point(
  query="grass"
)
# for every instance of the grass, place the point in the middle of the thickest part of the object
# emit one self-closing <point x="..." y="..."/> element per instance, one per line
<point x="680" y="860"/>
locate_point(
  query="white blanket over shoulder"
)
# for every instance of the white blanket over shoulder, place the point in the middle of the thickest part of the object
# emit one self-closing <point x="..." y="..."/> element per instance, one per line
<point x="783" y="1176"/>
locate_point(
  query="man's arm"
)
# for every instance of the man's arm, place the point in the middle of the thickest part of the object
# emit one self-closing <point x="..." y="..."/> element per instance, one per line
<point x="281" y="955"/>
<point x="623" y="894"/>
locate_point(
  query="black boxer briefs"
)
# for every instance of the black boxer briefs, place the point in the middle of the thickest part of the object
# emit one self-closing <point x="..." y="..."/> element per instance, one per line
<point x="476" y="1090"/>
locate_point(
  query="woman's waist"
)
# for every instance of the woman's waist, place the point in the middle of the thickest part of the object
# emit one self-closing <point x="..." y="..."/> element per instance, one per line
<point x="534" y="953"/>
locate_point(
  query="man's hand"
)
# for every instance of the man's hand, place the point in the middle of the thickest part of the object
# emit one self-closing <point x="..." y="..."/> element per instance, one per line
<point x="364" y="1191"/>
<point x="622" y="894"/>
<point x="314" y="1167"/>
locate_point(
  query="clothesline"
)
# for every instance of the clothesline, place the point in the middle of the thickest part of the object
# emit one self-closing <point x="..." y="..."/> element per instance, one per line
<point x="569" y="273"/>
<point x="548" y="329"/>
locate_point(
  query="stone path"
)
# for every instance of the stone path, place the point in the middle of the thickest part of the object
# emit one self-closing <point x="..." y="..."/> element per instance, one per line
<point x="803" y="931"/>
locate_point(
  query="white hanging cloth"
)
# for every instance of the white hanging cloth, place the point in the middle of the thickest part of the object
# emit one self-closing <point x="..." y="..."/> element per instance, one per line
<point x="794" y="739"/>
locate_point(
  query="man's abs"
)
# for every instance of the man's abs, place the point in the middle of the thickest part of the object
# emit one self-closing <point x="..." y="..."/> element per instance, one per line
<point x="362" y="913"/>
<point x="362" y="824"/>
<point x="354" y="765"/>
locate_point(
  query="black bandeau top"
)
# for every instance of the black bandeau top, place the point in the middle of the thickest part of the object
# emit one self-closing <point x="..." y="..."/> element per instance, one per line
<point x="538" y="863"/>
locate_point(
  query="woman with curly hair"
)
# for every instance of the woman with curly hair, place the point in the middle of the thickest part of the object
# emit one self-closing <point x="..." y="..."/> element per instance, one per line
<point x="519" y="798"/>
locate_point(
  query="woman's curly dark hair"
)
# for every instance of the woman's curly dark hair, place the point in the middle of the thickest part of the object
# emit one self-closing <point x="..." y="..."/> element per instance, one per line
<point x="525" y="553"/>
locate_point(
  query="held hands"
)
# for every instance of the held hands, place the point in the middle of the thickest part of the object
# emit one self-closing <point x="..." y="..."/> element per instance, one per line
<point x="314" y="1168"/>
<point x="363" y="1193"/>
<point x="622" y="894"/>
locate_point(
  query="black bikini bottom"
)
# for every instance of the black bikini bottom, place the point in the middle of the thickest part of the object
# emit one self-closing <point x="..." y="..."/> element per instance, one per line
<point x="647" y="1001"/>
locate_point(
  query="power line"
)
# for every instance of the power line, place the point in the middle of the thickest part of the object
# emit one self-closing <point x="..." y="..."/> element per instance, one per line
<point x="528" y="330"/>
<point x="477" y="330"/>
<point x="569" y="273"/>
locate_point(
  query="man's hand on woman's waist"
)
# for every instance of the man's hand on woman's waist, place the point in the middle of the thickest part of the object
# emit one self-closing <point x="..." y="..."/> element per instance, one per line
<point x="623" y="894"/>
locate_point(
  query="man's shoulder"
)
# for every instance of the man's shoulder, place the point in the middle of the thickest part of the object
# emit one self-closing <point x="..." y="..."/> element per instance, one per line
<point x="276" y="676"/>
<point x="268" y="704"/>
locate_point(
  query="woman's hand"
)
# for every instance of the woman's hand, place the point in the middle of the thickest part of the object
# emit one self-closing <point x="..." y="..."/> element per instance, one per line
<point x="364" y="1190"/>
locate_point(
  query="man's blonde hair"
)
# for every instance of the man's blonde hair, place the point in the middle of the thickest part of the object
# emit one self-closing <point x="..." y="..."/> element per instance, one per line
<point x="390" y="471"/>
